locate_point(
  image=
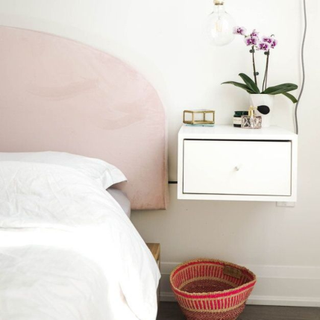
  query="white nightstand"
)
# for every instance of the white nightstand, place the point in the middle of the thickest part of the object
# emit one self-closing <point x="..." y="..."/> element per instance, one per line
<point x="227" y="163"/>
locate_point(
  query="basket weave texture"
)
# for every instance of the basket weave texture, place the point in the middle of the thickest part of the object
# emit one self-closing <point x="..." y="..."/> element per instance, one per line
<point x="209" y="289"/>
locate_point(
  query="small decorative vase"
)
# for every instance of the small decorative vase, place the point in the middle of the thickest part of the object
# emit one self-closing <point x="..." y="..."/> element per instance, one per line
<point x="264" y="106"/>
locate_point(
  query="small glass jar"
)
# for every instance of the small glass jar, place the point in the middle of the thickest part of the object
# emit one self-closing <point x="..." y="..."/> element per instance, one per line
<point x="237" y="118"/>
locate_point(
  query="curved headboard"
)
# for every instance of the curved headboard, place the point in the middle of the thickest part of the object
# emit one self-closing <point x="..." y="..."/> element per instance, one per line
<point x="60" y="95"/>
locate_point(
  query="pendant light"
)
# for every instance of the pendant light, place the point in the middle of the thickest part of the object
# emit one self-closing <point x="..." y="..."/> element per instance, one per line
<point x="219" y="25"/>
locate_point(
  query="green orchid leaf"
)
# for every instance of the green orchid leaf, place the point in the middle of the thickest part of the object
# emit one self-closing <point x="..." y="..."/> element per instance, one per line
<point x="250" y="83"/>
<point x="240" y="85"/>
<point x="281" y="88"/>
<point x="290" y="96"/>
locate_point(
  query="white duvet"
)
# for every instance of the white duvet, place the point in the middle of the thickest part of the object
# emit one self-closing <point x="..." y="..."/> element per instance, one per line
<point x="68" y="251"/>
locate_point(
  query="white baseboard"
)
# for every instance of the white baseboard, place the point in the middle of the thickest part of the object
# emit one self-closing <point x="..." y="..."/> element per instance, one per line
<point x="276" y="285"/>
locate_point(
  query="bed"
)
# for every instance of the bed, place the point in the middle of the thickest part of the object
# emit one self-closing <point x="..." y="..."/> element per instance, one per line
<point x="122" y="200"/>
<point x="79" y="130"/>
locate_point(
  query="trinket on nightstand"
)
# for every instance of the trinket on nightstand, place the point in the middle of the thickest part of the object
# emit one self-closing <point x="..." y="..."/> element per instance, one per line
<point x="237" y="118"/>
<point x="251" y="121"/>
<point x="198" y="117"/>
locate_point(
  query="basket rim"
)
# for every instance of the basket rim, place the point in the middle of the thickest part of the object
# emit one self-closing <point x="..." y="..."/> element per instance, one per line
<point x="214" y="294"/>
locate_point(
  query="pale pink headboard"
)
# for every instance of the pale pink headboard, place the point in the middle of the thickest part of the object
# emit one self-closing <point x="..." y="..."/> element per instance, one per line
<point x="60" y="95"/>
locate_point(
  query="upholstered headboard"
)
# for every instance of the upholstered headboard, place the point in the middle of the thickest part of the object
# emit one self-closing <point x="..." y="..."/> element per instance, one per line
<point x="60" y="95"/>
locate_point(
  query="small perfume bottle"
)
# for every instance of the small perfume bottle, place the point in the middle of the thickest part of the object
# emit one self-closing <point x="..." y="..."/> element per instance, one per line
<point x="251" y="121"/>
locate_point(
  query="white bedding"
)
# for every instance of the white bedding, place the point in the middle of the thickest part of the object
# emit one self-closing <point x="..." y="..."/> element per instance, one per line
<point x="122" y="199"/>
<point x="68" y="251"/>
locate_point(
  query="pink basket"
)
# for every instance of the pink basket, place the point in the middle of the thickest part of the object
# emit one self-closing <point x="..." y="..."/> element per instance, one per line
<point x="211" y="289"/>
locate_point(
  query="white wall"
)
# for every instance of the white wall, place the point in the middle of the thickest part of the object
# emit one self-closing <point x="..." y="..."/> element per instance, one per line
<point x="164" y="41"/>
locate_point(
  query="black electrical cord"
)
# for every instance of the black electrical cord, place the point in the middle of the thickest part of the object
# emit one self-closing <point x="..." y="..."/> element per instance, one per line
<point x="303" y="66"/>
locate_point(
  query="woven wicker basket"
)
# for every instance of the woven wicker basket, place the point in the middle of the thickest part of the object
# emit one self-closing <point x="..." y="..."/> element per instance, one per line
<point x="211" y="289"/>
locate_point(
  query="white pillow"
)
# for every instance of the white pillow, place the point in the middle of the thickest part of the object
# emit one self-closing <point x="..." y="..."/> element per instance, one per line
<point x="97" y="169"/>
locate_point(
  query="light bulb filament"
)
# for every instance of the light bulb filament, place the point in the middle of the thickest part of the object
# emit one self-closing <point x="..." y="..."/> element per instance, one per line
<point x="219" y="25"/>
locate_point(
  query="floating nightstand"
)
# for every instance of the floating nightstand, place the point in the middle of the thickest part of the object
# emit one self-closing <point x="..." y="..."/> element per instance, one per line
<point x="227" y="163"/>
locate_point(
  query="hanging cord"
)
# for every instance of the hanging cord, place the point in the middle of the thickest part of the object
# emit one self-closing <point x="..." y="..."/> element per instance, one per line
<point x="303" y="66"/>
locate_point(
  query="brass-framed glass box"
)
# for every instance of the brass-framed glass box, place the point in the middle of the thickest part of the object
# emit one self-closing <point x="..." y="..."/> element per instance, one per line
<point x="202" y="116"/>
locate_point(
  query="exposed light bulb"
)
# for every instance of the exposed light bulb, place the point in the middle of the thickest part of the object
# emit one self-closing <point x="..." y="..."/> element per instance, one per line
<point x="219" y="25"/>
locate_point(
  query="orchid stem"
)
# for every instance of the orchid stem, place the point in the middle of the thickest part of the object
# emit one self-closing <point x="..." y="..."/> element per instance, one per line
<point x="254" y="65"/>
<point x="265" y="79"/>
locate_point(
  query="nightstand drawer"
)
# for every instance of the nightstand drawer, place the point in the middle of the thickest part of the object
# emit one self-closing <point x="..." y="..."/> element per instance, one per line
<point x="237" y="167"/>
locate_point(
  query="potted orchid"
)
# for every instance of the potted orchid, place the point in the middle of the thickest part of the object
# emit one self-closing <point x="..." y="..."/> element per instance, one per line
<point x="261" y="99"/>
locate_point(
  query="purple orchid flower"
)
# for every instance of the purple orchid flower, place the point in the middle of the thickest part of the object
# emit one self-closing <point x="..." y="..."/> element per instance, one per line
<point x="254" y="33"/>
<point x="239" y="30"/>
<point x="274" y="43"/>
<point x="264" y="46"/>
<point x="267" y="39"/>
<point x="251" y="41"/>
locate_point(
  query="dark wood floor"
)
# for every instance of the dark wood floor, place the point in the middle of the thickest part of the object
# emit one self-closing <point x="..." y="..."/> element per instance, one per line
<point x="171" y="311"/>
